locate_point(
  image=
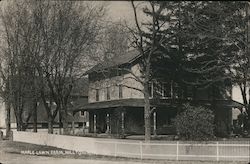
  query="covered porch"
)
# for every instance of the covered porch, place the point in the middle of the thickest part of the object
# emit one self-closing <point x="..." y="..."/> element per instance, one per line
<point x="126" y="116"/>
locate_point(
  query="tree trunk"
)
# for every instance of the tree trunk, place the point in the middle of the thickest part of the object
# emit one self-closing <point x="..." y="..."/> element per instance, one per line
<point x="60" y="121"/>
<point x="147" y="114"/>
<point x="50" y="125"/>
<point x="65" y="124"/>
<point x="65" y="128"/>
<point x="7" y="120"/>
<point x="19" y="126"/>
<point x="35" y="116"/>
<point x="65" y="120"/>
<point x="19" y="121"/>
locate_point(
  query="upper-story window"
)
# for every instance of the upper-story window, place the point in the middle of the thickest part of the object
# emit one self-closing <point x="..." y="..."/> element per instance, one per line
<point x="160" y="89"/>
<point x="97" y="94"/>
<point x="120" y="91"/>
<point x="82" y="113"/>
<point x="167" y="90"/>
<point x="108" y="93"/>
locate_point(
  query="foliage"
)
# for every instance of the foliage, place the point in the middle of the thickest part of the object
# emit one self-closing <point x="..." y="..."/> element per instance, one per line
<point x="114" y="41"/>
<point x="195" y="123"/>
<point x="50" y="41"/>
<point x="17" y="66"/>
<point x="204" y="45"/>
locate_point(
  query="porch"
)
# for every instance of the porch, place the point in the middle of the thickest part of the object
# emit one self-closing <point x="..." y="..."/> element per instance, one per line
<point x="126" y="116"/>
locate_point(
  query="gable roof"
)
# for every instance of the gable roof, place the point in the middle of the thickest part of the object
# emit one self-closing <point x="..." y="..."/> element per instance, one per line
<point x="126" y="58"/>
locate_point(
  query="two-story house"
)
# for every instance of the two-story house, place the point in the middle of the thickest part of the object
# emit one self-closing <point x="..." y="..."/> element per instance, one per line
<point x="116" y="104"/>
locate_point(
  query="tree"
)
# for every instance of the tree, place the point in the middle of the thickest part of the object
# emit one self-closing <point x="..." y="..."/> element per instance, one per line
<point x="48" y="45"/>
<point x="198" y="45"/>
<point x="69" y="29"/>
<point x="114" y="40"/>
<point x="17" y="70"/>
<point x="147" y="49"/>
<point x="223" y="27"/>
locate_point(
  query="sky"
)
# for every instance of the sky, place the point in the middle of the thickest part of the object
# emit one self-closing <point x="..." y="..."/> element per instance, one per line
<point x="122" y="11"/>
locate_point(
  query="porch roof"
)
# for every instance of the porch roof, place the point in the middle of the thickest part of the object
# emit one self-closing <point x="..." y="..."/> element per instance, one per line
<point x="113" y="104"/>
<point x="159" y="103"/>
<point x="230" y="103"/>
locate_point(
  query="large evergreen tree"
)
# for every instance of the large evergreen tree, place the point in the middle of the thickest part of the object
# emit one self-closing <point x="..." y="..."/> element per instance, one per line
<point x="204" y="45"/>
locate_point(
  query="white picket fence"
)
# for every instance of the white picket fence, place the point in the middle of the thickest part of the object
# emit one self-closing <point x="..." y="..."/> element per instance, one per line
<point x="167" y="150"/>
<point x="217" y="151"/>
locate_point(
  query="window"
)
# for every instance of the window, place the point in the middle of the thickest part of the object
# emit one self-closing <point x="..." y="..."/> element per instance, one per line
<point x="120" y="91"/>
<point x="162" y="89"/>
<point x="158" y="89"/>
<point x="167" y="91"/>
<point x="108" y="93"/>
<point x="82" y="113"/>
<point x="97" y="94"/>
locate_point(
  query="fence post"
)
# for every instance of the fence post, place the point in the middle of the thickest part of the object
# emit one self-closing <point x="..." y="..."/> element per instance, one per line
<point x="248" y="152"/>
<point x="115" y="148"/>
<point x="217" y="151"/>
<point x="177" y="150"/>
<point x="95" y="124"/>
<point x="141" y="149"/>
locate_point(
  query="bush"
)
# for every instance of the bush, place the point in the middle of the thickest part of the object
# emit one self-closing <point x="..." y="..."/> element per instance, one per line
<point x="195" y="123"/>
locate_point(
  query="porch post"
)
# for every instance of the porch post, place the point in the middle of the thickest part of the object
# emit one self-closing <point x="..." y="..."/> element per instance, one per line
<point x="95" y="123"/>
<point x="108" y="123"/>
<point x="83" y="127"/>
<point x="123" y="130"/>
<point x="154" y="123"/>
<point x="73" y="127"/>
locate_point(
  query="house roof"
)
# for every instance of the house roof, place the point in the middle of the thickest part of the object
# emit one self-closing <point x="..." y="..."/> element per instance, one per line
<point x="80" y="88"/>
<point x="126" y="58"/>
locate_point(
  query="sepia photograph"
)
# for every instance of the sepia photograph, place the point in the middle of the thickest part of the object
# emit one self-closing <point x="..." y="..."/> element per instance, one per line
<point x="124" y="82"/>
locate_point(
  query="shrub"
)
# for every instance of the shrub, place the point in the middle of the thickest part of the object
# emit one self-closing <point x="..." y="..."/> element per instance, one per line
<point x="195" y="123"/>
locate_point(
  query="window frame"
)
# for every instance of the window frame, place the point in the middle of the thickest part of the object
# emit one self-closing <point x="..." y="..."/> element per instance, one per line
<point x="108" y="93"/>
<point x="120" y="91"/>
<point x="97" y="94"/>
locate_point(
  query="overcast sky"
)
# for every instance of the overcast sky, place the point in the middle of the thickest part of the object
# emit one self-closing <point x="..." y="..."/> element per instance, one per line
<point x="122" y="10"/>
<point x="119" y="10"/>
